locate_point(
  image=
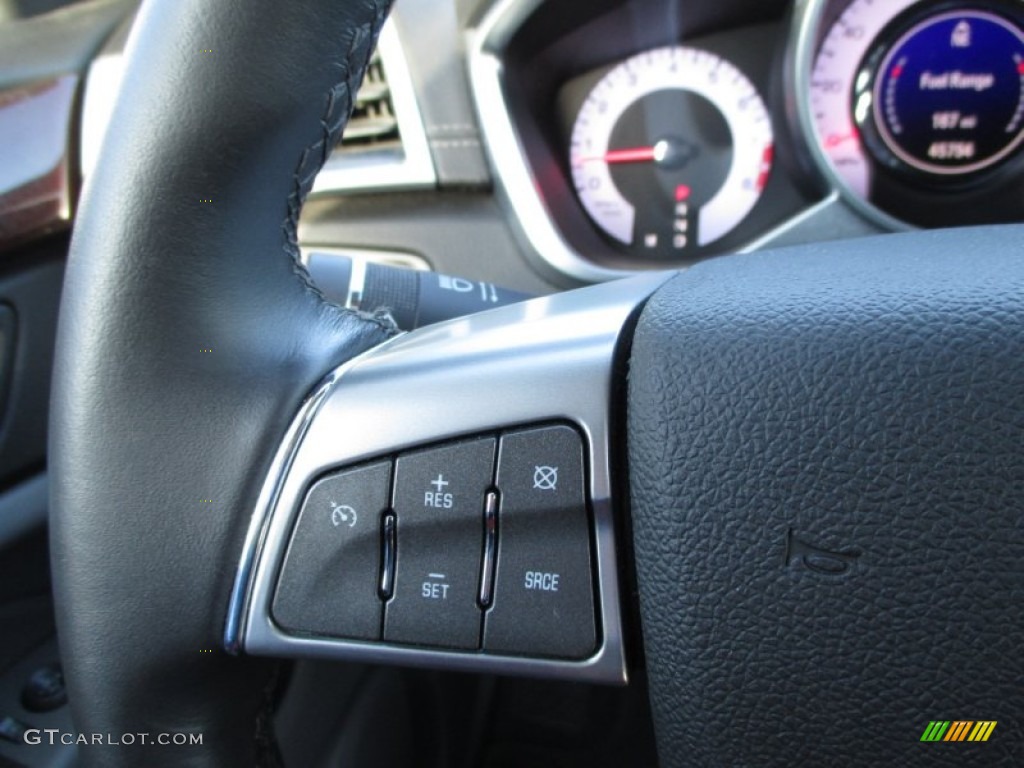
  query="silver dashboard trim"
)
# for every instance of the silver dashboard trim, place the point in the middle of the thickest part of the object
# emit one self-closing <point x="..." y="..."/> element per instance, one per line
<point x="356" y="285"/>
<point x="807" y="214"/>
<point x="516" y="184"/>
<point x="548" y="359"/>
<point x="410" y="167"/>
<point x="101" y="87"/>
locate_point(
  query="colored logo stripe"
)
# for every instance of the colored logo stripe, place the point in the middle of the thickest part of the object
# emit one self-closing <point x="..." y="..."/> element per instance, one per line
<point x="982" y="730"/>
<point x="935" y="730"/>
<point x="958" y="730"/>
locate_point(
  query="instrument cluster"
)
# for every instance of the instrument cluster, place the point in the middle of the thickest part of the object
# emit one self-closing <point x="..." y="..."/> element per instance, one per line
<point x="657" y="132"/>
<point x="670" y="150"/>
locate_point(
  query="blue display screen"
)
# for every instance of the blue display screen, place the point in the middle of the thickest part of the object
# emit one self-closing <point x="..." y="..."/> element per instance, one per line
<point x="949" y="95"/>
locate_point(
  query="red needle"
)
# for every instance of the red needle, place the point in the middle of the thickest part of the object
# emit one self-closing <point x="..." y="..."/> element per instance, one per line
<point x="833" y="140"/>
<point x="635" y="155"/>
<point x="632" y="155"/>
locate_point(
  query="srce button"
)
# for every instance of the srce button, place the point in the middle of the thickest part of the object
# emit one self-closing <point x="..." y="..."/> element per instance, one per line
<point x="543" y="601"/>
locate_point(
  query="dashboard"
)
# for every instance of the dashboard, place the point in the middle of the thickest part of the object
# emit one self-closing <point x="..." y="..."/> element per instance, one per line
<point x="542" y="145"/>
<point x="637" y="135"/>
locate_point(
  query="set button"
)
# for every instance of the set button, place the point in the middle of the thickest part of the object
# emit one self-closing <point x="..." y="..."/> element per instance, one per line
<point x="438" y="502"/>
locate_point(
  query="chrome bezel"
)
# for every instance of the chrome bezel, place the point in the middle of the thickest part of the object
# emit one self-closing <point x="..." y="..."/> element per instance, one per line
<point x="410" y="167"/>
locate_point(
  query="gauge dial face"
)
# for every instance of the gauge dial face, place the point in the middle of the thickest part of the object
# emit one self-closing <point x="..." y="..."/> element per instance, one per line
<point x="671" y="150"/>
<point x="833" y="81"/>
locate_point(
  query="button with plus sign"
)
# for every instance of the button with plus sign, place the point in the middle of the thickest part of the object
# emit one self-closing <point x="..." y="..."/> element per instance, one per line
<point x="438" y="498"/>
<point x="438" y="502"/>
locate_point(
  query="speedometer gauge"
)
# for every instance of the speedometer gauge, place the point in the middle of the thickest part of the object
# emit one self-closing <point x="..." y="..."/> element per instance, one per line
<point x="671" y="150"/>
<point x="836" y="68"/>
<point x="918" y="107"/>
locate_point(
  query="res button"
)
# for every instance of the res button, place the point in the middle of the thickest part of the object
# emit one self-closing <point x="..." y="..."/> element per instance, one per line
<point x="439" y="504"/>
<point x="543" y="599"/>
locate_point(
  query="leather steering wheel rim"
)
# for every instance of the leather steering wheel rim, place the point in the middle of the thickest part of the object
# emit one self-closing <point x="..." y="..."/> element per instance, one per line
<point x="189" y="334"/>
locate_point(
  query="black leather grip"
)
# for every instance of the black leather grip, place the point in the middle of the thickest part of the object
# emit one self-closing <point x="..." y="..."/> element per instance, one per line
<point x="189" y="334"/>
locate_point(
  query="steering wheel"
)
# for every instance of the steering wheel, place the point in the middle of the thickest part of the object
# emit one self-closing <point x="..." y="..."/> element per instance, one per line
<point x="815" y="455"/>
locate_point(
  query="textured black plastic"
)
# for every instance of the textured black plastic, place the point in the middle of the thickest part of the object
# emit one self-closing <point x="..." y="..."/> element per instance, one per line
<point x="393" y="290"/>
<point x="826" y="452"/>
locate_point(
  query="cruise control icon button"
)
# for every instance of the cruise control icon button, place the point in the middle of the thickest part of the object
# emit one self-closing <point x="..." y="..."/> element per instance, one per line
<point x="330" y="578"/>
<point x="343" y="515"/>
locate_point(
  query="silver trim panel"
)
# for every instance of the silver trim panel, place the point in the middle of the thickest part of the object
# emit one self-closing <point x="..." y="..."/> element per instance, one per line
<point x="515" y="182"/>
<point x="410" y="167"/>
<point x="548" y="359"/>
<point x="101" y="87"/>
<point x="268" y="498"/>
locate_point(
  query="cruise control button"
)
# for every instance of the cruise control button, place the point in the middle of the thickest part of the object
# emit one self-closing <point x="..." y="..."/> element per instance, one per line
<point x="331" y="575"/>
<point x="543" y="598"/>
<point x="438" y="501"/>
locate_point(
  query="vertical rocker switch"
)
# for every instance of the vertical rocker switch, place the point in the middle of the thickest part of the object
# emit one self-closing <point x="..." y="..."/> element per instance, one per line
<point x="490" y="548"/>
<point x="543" y="593"/>
<point x="438" y="502"/>
<point x="388" y="547"/>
